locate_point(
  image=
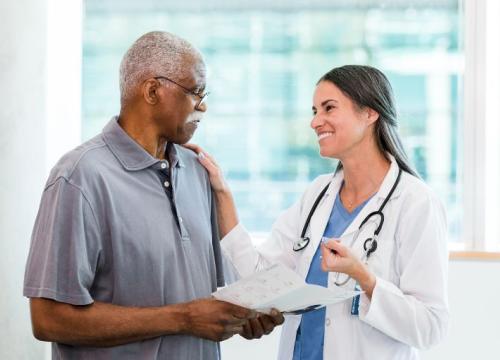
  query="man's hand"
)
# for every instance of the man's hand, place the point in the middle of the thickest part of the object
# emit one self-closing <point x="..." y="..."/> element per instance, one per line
<point x="101" y="324"/>
<point x="216" y="320"/>
<point x="262" y="325"/>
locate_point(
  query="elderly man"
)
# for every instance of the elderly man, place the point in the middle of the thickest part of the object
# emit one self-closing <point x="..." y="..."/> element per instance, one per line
<point x="125" y="251"/>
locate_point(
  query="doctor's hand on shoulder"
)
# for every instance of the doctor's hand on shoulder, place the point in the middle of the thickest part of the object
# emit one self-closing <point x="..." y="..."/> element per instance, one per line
<point x="338" y="258"/>
<point x="215" y="175"/>
<point x="227" y="215"/>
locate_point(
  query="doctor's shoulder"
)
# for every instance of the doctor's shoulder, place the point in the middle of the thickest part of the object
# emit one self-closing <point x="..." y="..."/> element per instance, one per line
<point x="417" y="194"/>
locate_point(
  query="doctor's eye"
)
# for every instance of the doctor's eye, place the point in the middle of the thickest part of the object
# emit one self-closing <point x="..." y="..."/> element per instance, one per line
<point x="329" y="107"/>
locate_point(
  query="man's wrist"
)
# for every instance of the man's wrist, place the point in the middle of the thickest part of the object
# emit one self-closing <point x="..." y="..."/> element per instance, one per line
<point x="178" y="319"/>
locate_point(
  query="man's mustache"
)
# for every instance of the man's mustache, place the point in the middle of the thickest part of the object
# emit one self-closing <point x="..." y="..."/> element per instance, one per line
<point x="195" y="117"/>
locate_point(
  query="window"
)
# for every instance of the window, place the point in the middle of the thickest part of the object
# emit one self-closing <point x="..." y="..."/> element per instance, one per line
<point x="263" y="62"/>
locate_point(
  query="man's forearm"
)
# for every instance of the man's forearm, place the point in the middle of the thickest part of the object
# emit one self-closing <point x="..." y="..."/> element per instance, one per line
<point x="102" y="324"/>
<point x="227" y="216"/>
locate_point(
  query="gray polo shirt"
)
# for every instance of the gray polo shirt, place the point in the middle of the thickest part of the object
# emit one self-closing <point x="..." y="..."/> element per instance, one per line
<point x="119" y="226"/>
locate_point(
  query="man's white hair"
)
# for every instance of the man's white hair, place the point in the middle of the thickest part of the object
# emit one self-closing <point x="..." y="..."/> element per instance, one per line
<point x="157" y="53"/>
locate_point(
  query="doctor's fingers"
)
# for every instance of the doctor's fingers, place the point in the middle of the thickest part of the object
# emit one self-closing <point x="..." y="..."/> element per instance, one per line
<point x="334" y="262"/>
<point x="336" y="246"/>
<point x="327" y="259"/>
<point x="200" y="152"/>
<point x="211" y="167"/>
<point x="209" y="164"/>
<point x="196" y="148"/>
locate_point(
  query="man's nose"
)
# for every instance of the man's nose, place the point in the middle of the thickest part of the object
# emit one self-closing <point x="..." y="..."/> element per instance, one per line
<point x="202" y="107"/>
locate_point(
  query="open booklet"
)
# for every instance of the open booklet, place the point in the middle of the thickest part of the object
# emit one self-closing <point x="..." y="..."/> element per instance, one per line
<point x="281" y="288"/>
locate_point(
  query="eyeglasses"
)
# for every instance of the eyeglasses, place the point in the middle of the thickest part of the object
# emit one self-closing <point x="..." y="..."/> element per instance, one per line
<point x="201" y="95"/>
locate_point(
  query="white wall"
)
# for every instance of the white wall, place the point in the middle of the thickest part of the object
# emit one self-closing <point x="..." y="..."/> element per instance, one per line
<point x="35" y="126"/>
<point x="22" y="162"/>
<point x="474" y="293"/>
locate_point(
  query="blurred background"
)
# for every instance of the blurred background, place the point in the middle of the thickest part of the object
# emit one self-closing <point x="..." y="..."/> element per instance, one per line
<point x="59" y="86"/>
<point x="263" y="62"/>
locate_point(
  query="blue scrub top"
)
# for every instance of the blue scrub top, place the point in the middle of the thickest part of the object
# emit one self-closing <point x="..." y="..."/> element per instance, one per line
<point x="311" y="332"/>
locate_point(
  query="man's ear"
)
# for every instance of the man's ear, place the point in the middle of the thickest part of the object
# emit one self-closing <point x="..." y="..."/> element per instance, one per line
<point x="150" y="91"/>
<point x="372" y="115"/>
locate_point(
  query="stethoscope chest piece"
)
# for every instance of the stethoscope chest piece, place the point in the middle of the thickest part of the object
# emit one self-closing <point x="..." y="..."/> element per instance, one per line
<point x="370" y="245"/>
<point x="301" y="244"/>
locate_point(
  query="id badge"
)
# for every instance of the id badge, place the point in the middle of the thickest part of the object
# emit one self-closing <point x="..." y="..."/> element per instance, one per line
<point x="355" y="302"/>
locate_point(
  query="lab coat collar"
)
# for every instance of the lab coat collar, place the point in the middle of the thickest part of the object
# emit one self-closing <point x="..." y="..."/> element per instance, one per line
<point x="324" y="209"/>
<point x="385" y="187"/>
<point x="376" y="201"/>
<point x="389" y="181"/>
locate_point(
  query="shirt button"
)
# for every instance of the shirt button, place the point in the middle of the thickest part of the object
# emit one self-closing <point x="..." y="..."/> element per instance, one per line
<point x="164" y="165"/>
<point x="327" y="322"/>
<point x="166" y="184"/>
<point x="180" y="219"/>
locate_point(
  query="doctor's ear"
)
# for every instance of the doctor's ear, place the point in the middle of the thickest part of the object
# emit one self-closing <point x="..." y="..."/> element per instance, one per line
<point x="371" y="115"/>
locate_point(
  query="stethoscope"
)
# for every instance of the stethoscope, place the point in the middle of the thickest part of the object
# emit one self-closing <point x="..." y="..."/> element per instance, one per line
<point x="370" y="244"/>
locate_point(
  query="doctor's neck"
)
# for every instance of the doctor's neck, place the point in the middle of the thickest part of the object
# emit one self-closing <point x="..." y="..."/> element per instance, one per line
<point x="364" y="172"/>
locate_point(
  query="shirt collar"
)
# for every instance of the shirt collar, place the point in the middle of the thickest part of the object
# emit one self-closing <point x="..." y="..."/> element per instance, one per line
<point x="129" y="153"/>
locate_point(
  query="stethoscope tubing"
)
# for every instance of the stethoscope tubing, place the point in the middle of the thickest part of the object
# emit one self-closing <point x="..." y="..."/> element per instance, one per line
<point x="304" y="241"/>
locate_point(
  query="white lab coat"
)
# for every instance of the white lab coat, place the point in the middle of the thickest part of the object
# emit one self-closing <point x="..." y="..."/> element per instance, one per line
<point x="408" y="309"/>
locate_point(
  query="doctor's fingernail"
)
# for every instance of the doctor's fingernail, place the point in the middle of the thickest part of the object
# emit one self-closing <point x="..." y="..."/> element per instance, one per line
<point x="201" y="156"/>
<point x="324" y="240"/>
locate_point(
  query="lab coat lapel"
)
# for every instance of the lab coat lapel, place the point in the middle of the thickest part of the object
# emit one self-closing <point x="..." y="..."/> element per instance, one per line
<point x="322" y="214"/>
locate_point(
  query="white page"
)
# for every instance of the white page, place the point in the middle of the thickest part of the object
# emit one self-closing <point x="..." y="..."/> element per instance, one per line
<point x="260" y="287"/>
<point x="281" y="288"/>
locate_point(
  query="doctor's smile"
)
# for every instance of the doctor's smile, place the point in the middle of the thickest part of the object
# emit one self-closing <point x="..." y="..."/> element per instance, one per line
<point x="325" y="134"/>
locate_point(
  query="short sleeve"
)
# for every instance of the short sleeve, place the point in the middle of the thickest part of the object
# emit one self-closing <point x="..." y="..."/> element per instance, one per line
<point x="65" y="247"/>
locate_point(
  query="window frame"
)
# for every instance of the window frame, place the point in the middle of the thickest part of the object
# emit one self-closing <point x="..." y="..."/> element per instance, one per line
<point x="480" y="197"/>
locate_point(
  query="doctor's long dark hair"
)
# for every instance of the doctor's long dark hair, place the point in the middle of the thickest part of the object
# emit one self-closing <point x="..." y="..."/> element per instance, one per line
<point x="369" y="87"/>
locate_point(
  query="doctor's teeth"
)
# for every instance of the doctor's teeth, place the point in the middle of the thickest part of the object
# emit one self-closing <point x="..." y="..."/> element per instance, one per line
<point x="324" y="135"/>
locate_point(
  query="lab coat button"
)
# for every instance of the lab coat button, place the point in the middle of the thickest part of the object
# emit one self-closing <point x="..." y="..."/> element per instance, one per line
<point x="166" y="184"/>
<point x="164" y="165"/>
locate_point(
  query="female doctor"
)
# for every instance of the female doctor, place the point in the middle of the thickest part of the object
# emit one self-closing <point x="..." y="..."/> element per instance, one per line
<point x="385" y="232"/>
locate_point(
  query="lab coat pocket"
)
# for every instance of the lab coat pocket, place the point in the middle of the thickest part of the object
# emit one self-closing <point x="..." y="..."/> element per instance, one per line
<point x="379" y="342"/>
